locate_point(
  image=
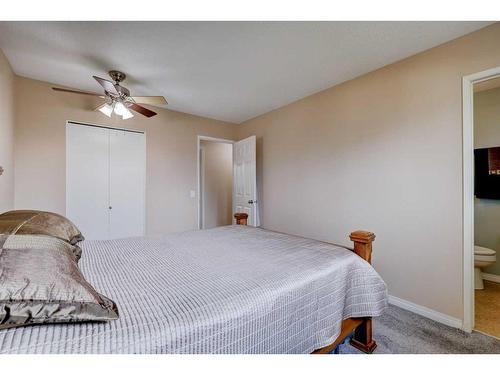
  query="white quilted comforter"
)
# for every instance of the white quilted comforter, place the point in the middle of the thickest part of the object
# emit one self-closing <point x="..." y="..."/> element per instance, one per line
<point x="232" y="289"/>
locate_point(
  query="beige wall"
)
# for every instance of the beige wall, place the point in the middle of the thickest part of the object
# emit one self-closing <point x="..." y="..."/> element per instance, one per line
<point x="171" y="139"/>
<point x="217" y="169"/>
<point x="6" y="134"/>
<point x="487" y="134"/>
<point x="382" y="152"/>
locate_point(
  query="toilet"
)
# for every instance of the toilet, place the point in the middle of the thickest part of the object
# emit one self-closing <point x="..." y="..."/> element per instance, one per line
<point x="483" y="257"/>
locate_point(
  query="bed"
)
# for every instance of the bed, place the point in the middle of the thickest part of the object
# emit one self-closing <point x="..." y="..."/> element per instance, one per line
<point x="233" y="289"/>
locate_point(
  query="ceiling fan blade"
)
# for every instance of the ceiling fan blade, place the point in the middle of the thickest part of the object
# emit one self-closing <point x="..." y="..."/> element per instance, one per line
<point x="107" y="85"/>
<point x="151" y="100"/>
<point x="77" y="92"/>
<point x="140" y="109"/>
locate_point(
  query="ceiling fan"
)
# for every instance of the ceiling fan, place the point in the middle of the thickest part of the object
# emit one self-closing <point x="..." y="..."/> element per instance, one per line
<point x="118" y="99"/>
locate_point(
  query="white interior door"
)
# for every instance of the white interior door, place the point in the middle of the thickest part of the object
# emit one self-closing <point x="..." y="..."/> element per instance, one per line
<point x="126" y="183"/>
<point x="87" y="172"/>
<point x="245" y="179"/>
<point x="105" y="181"/>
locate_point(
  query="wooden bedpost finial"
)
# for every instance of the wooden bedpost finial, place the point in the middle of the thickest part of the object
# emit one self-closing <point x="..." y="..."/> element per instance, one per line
<point x="241" y="218"/>
<point x="363" y="244"/>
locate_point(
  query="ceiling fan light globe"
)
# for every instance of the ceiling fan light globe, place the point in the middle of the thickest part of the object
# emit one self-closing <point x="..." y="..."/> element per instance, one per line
<point x="106" y="109"/>
<point x="127" y="114"/>
<point x="120" y="109"/>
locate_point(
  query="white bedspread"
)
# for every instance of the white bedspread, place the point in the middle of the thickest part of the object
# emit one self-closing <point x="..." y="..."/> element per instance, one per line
<point x="232" y="289"/>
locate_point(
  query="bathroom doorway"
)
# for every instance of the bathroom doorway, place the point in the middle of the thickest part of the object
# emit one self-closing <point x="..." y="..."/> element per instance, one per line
<point x="487" y="206"/>
<point x="215" y="182"/>
<point x="481" y="95"/>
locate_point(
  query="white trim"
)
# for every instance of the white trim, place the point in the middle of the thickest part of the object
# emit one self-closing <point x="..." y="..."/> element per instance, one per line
<point x="468" y="191"/>
<point x="112" y="127"/>
<point x="425" y="311"/>
<point x="468" y="204"/>
<point x="198" y="171"/>
<point x="212" y="139"/>
<point x="491" y="277"/>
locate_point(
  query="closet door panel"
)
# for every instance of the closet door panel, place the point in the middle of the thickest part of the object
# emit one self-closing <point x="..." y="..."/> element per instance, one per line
<point x="87" y="180"/>
<point x="127" y="162"/>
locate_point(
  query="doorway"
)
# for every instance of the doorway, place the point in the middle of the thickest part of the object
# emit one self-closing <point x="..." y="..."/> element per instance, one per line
<point x="480" y="175"/>
<point x="215" y="182"/>
<point x="486" y="114"/>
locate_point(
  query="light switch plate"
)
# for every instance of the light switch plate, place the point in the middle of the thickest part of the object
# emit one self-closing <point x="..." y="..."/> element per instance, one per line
<point x="192" y="194"/>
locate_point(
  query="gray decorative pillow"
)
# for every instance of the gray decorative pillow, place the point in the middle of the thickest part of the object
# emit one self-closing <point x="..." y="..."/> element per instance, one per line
<point x="43" y="223"/>
<point x="40" y="283"/>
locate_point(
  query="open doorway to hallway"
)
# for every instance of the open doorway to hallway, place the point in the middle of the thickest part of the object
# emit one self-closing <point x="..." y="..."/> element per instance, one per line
<point x="215" y="203"/>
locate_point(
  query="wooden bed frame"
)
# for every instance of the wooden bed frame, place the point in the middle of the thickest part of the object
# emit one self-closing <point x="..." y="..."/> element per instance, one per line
<point x="362" y="327"/>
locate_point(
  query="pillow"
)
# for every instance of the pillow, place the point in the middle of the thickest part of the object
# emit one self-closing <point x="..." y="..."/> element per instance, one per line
<point x="40" y="283"/>
<point x="40" y="222"/>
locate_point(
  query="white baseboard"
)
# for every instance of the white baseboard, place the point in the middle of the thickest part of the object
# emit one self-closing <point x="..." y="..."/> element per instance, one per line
<point x="491" y="277"/>
<point x="425" y="311"/>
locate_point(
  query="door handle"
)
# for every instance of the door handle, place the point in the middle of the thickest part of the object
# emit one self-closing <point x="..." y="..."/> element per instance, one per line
<point x="251" y="201"/>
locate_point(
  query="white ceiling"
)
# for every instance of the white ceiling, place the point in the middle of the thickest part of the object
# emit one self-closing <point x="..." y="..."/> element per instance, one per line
<point x="230" y="71"/>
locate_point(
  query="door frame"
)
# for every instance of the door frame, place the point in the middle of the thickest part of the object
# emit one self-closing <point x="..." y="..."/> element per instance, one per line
<point x="112" y="128"/>
<point x="468" y="190"/>
<point x="198" y="170"/>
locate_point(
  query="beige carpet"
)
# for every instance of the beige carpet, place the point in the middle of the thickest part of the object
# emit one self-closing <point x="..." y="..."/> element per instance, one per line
<point x="399" y="331"/>
<point x="487" y="309"/>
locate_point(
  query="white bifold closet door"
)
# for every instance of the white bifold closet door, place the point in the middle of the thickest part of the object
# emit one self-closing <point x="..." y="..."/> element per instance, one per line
<point x="105" y="181"/>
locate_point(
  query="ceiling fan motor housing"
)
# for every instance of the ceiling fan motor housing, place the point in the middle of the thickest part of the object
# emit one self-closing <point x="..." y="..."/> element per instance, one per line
<point x="123" y="91"/>
<point x="117" y="76"/>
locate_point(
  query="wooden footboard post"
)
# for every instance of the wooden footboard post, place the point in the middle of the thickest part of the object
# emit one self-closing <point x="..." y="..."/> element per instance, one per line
<point x="241" y="218"/>
<point x="363" y="244"/>
<point x="362" y="338"/>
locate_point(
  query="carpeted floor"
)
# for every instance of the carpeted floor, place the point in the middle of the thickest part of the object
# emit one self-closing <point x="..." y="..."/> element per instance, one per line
<point x="402" y="332"/>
